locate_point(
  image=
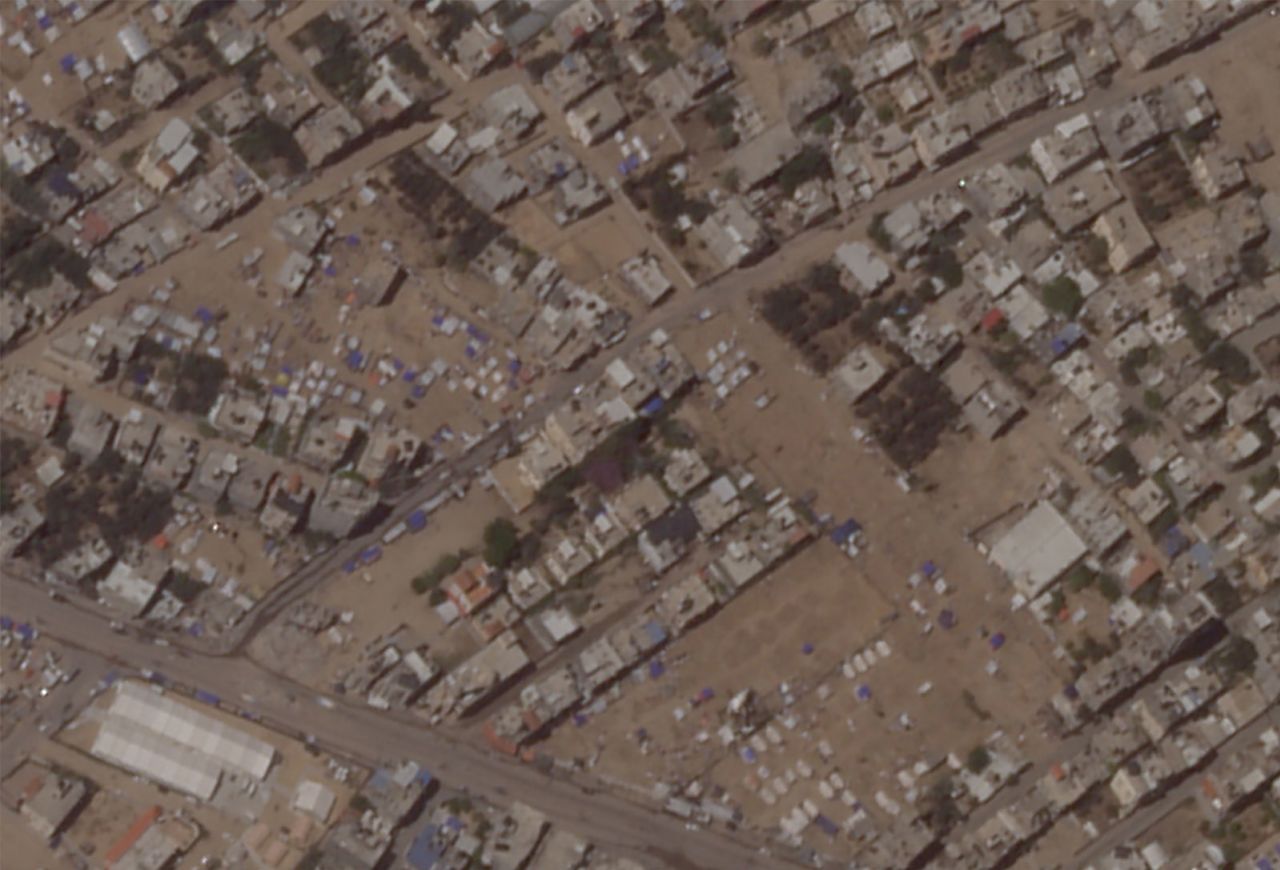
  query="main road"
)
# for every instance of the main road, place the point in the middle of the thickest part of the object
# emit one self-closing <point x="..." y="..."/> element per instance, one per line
<point x="373" y="737"/>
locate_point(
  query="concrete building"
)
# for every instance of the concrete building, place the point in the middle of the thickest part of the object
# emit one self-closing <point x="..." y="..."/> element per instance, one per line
<point x="49" y="801"/>
<point x="760" y="159"/>
<point x="1038" y="550"/>
<point x="342" y="506"/>
<point x="643" y="275"/>
<point x="863" y="270"/>
<point x="596" y="116"/>
<point x="859" y="374"/>
<point x="732" y="235"/>
<point x="1128" y="242"/>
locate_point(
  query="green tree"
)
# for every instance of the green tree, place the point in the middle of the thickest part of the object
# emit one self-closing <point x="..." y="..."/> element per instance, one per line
<point x="978" y="760"/>
<point x="501" y="542"/>
<point x="1062" y="295"/>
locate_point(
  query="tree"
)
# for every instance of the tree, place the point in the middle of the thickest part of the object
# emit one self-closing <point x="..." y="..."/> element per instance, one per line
<point x="720" y="108"/>
<point x="885" y="113"/>
<point x="1062" y="295"/>
<point x="978" y="759"/>
<point x="825" y="125"/>
<point x="1230" y="362"/>
<point x="810" y="163"/>
<point x="763" y="45"/>
<point x="1237" y="656"/>
<point x="501" y="542"/>
<point x="730" y="179"/>
<point x="726" y="137"/>
<point x="878" y="234"/>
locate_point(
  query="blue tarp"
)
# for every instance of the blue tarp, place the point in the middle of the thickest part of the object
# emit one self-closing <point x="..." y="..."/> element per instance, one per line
<point x="1202" y="555"/>
<point x="280" y="391"/>
<point x="25" y="631"/>
<point x="706" y="694"/>
<point x="825" y="825"/>
<point x="416" y="521"/>
<point x="208" y="697"/>
<point x="353" y="240"/>
<point x="652" y="407"/>
<point x="355" y="359"/>
<point x="60" y="183"/>
<point x="513" y="366"/>
<point x="419" y="391"/>
<point x="204" y="315"/>
<point x="349" y="567"/>
<point x="331" y="270"/>
<point x="423" y="854"/>
<point x="947" y="619"/>
<point x="68" y="63"/>
<point x="657" y="634"/>
<point x="807" y="649"/>
<point x="141" y="377"/>
<point x="1174" y="542"/>
<point x="929" y="569"/>
<point x="747" y="754"/>
<point x="841" y="534"/>
<point x="656" y="669"/>
<point x="409" y="376"/>
<point x="997" y="640"/>
<point x="371" y="555"/>
<point x="6" y="623"/>
<point x="863" y="692"/>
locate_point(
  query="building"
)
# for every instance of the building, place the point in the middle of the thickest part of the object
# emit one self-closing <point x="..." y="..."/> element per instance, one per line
<point x="134" y="583"/>
<point x="1071" y="144"/>
<point x="238" y="415"/>
<point x="867" y="273"/>
<point x="327" y="135"/>
<point x="644" y="277"/>
<point x="1128" y="242"/>
<point x="761" y="159"/>
<point x="1075" y="201"/>
<point x="91" y="431"/>
<point x="172" y="459"/>
<point x="176" y="745"/>
<point x="329" y="442"/>
<point x="49" y="801"/>
<point x="287" y="505"/>
<point x="1038" y="550"/>
<point x="494" y="185"/>
<point x="344" y="504"/>
<point x="859" y="374"/>
<point x="31" y="402"/>
<point x="302" y="228"/>
<point x="732" y="235"/>
<point x="596" y="116"/>
<point x="154" y="84"/>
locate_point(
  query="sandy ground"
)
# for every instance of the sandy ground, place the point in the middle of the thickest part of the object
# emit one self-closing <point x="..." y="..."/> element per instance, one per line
<point x="840" y="605"/>
<point x="22" y="848"/>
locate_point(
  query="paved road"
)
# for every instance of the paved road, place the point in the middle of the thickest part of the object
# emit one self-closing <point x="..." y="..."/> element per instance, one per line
<point x="377" y="737"/>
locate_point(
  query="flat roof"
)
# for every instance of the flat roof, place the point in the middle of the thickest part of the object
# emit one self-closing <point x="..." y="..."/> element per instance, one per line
<point x="1038" y="549"/>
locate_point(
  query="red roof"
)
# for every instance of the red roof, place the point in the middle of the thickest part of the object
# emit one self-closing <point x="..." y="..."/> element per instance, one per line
<point x="131" y="836"/>
<point x="993" y="320"/>
<point x="1142" y="573"/>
